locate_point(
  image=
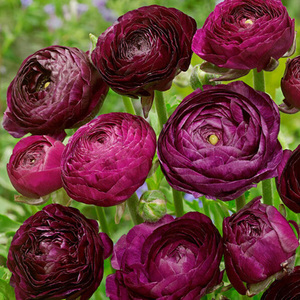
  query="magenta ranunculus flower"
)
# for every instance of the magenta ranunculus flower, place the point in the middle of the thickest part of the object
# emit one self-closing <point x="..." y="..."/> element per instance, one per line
<point x="260" y="246"/>
<point x="288" y="180"/>
<point x="290" y="86"/>
<point x="107" y="159"/>
<point x="144" y="50"/>
<point x="220" y="141"/>
<point x="246" y="34"/>
<point x="169" y="259"/>
<point x="55" y="88"/>
<point x="287" y="288"/>
<point x="57" y="254"/>
<point x="34" y="166"/>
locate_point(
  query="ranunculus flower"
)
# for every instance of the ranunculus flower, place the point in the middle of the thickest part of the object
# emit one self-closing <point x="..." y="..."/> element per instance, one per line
<point x="288" y="180"/>
<point x="290" y="86"/>
<point x="220" y="141"/>
<point x="106" y="160"/>
<point x="170" y="259"/>
<point x="246" y="34"/>
<point x="55" y="88"/>
<point x="57" y="254"/>
<point x="260" y="245"/>
<point x="287" y="288"/>
<point x="144" y="50"/>
<point x="34" y="166"/>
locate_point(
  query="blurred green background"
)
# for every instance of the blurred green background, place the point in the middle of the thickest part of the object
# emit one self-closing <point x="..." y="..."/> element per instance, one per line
<point x="29" y="25"/>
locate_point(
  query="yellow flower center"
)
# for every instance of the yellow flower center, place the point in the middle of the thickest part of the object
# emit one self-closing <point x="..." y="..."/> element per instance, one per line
<point x="46" y="84"/>
<point x="213" y="139"/>
<point x="249" y="22"/>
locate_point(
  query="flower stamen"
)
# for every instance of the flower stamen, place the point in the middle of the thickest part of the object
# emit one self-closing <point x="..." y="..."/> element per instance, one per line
<point x="213" y="139"/>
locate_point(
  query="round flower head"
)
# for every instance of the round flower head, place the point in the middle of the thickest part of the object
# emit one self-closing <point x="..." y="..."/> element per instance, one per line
<point x="144" y="50"/>
<point x="290" y="86"/>
<point x="246" y="34"/>
<point x="169" y="259"/>
<point x="57" y="254"/>
<point x="260" y="245"/>
<point x="288" y="180"/>
<point x="55" y="88"/>
<point x="107" y="159"/>
<point x="287" y="288"/>
<point x="34" y="166"/>
<point x="220" y="141"/>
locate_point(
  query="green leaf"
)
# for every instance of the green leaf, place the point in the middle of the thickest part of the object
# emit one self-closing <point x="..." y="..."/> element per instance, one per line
<point x="8" y="225"/>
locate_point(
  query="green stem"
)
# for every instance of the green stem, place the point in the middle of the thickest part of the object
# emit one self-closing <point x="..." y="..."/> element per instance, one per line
<point x="259" y="85"/>
<point x="267" y="191"/>
<point x="205" y="206"/>
<point x="160" y="108"/>
<point x="102" y="219"/>
<point x="132" y="205"/>
<point x="128" y="105"/>
<point x="240" y="202"/>
<point x="259" y="80"/>
<point x="178" y="203"/>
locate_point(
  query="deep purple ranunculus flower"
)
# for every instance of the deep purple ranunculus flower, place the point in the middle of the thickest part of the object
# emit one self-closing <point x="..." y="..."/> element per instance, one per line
<point x="170" y="259"/>
<point x="288" y="180"/>
<point x="287" y="288"/>
<point x="220" y="141"/>
<point x="246" y="34"/>
<point x="290" y="86"/>
<point x="260" y="245"/>
<point x="34" y="166"/>
<point x="144" y="50"/>
<point x="55" y="88"/>
<point x="57" y="254"/>
<point x="107" y="159"/>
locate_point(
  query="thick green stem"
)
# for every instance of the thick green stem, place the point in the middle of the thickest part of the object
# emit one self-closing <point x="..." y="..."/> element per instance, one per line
<point x="259" y="80"/>
<point x="178" y="203"/>
<point x="102" y="219"/>
<point x="240" y="202"/>
<point x="267" y="191"/>
<point x="128" y="105"/>
<point x="160" y="108"/>
<point x="259" y="85"/>
<point x="132" y="205"/>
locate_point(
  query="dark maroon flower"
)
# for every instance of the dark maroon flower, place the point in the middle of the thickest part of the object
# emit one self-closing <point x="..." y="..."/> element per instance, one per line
<point x="55" y="88"/>
<point x="57" y="254"/>
<point x="34" y="166"/>
<point x="287" y="288"/>
<point x="290" y="86"/>
<point x="170" y="259"/>
<point x="220" y="141"/>
<point x="108" y="159"/>
<point x="288" y="180"/>
<point x="260" y="246"/>
<point x="144" y="50"/>
<point x="246" y="34"/>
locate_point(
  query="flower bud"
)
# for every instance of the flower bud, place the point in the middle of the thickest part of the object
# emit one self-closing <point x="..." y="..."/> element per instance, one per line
<point x="199" y="78"/>
<point x="152" y="205"/>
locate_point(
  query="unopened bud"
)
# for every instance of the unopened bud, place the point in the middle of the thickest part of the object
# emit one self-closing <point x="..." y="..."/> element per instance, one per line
<point x="152" y="205"/>
<point x="199" y="78"/>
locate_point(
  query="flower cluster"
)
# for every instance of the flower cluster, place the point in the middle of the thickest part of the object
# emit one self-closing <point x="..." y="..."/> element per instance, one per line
<point x="218" y="143"/>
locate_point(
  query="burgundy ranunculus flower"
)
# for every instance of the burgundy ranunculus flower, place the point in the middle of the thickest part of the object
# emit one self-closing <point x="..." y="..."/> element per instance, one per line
<point x="220" y="141"/>
<point x="246" y="34"/>
<point x="144" y="50"/>
<point x="55" y="88"/>
<point x="288" y="180"/>
<point x="287" y="288"/>
<point x="57" y="254"/>
<point x="170" y="259"/>
<point x="290" y="86"/>
<point x="106" y="160"/>
<point x="34" y="166"/>
<point x="260" y="245"/>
